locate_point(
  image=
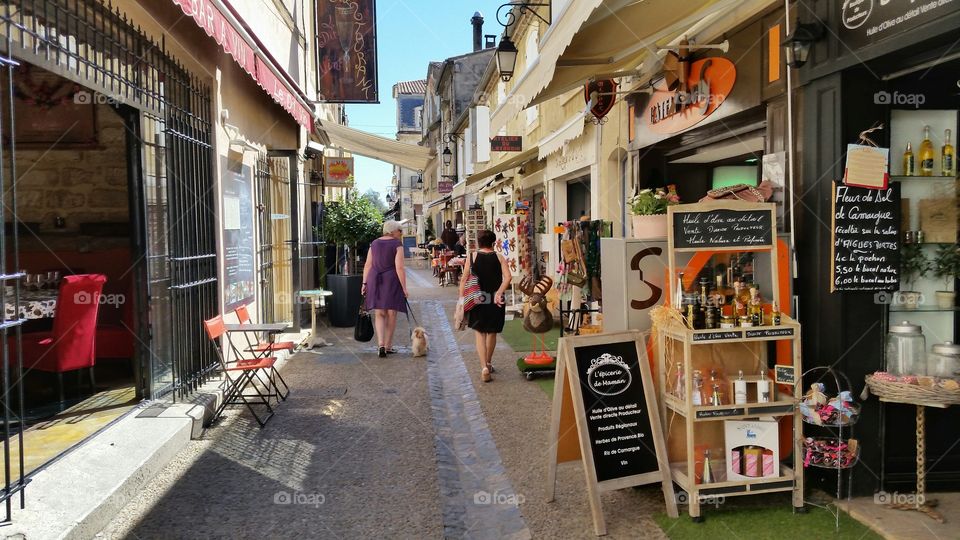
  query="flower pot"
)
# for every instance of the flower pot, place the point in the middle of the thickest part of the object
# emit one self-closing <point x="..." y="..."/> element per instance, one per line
<point x="909" y="299"/>
<point x="650" y="227"/>
<point x="945" y="299"/>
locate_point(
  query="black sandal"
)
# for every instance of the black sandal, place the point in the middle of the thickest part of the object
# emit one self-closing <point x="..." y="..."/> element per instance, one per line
<point x="382" y="353"/>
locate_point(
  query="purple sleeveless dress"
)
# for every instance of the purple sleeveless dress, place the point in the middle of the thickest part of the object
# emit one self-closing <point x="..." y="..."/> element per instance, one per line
<point x="383" y="284"/>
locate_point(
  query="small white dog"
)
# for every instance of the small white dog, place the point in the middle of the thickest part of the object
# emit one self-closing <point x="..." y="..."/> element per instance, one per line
<point x="418" y="340"/>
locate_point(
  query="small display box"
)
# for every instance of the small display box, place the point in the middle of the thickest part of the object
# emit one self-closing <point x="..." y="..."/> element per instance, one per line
<point x="752" y="449"/>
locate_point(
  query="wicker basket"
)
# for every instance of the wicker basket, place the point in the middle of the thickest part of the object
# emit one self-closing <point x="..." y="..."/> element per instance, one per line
<point x="912" y="393"/>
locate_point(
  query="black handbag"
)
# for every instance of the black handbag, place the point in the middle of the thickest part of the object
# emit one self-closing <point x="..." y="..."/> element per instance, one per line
<point x="363" y="330"/>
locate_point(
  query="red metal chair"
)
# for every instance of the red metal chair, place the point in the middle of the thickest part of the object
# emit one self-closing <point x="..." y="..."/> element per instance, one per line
<point x="240" y="374"/>
<point x="261" y="349"/>
<point x="71" y="345"/>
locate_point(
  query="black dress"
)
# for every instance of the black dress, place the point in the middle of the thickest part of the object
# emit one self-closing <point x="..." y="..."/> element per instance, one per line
<point x="487" y="317"/>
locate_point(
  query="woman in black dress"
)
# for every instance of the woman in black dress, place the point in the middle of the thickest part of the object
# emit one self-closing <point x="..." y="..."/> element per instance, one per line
<point x="486" y="319"/>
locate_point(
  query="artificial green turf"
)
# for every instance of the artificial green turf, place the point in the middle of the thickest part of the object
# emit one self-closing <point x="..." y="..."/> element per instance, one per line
<point x="762" y="518"/>
<point x="545" y="384"/>
<point x="522" y="341"/>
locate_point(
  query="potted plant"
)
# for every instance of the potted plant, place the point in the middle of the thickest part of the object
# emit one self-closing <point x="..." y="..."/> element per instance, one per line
<point x="649" y="210"/>
<point x="349" y="222"/>
<point x="946" y="264"/>
<point x="913" y="266"/>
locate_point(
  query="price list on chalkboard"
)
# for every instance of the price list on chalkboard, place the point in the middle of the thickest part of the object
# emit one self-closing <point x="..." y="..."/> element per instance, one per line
<point x="865" y="238"/>
<point x="722" y="228"/>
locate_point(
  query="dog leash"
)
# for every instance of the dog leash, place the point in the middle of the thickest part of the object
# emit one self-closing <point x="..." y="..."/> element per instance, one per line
<point x="409" y="314"/>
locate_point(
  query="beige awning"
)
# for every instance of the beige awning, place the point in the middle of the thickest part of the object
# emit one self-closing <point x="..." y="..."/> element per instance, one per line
<point x="504" y="165"/>
<point x="555" y="141"/>
<point x="459" y="189"/>
<point x="438" y="202"/>
<point x="615" y="45"/>
<point x="537" y="75"/>
<point x="361" y="143"/>
<point x="608" y="41"/>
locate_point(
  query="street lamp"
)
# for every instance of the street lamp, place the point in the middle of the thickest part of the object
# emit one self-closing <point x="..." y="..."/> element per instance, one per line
<point x="506" y="58"/>
<point x="796" y="46"/>
<point x="420" y="179"/>
<point x="447" y="156"/>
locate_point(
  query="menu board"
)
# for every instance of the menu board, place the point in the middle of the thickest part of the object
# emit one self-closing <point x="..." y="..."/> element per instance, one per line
<point x="615" y="406"/>
<point x="865" y="239"/>
<point x="722" y="228"/>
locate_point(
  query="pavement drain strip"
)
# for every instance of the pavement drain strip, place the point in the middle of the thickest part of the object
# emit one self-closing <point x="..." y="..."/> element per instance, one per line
<point x="478" y="499"/>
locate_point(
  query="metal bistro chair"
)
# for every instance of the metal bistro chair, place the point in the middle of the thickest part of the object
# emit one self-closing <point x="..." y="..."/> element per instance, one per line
<point x="262" y="349"/>
<point x="240" y="374"/>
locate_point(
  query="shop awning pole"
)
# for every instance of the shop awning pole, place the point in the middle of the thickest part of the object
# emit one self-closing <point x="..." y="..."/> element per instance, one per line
<point x="790" y="154"/>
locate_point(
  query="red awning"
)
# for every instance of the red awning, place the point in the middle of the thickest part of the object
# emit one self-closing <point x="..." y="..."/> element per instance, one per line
<point x="209" y="17"/>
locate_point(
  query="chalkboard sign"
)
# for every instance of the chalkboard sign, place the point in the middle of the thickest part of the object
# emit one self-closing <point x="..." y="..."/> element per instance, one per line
<point x="604" y="387"/>
<point x="723" y="228"/>
<point x="865" y="239"/>
<point x="618" y="420"/>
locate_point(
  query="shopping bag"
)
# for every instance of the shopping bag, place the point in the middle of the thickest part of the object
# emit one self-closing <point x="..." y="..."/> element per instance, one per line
<point x="459" y="317"/>
<point x="363" y="330"/>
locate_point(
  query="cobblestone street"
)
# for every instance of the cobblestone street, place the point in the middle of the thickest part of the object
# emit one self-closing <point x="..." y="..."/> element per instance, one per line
<point x="397" y="447"/>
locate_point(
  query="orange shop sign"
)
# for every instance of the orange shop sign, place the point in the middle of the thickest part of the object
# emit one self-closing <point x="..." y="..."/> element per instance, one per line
<point x="338" y="171"/>
<point x="708" y="83"/>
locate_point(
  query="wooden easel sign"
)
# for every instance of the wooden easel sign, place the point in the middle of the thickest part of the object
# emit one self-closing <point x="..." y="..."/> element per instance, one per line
<point x="605" y="415"/>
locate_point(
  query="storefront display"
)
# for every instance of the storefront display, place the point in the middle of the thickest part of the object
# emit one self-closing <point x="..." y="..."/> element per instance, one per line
<point x="707" y="373"/>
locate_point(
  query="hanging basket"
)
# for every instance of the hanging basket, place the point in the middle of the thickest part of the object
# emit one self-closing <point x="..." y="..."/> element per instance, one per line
<point x="650" y="227"/>
<point x="830" y="453"/>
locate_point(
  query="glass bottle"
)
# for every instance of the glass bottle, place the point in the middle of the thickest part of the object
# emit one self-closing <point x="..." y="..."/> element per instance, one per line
<point x="775" y="315"/>
<point x="697" y="398"/>
<point x="756" y="307"/>
<point x="716" y="398"/>
<point x="948" y="158"/>
<point x="678" y="384"/>
<point x="909" y="162"/>
<point x="926" y="154"/>
<point x="735" y="301"/>
<point x="740" y="389"/>
<point x="763" y="388"/>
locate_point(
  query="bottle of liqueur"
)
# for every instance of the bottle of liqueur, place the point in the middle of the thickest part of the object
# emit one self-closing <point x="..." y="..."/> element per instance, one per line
<point x="698" y="398"/>
<point x="756" y="307"/>
<point x="909" y="162"/>
<point x="738" y="306"/>
<point x="948" y="158"/>
<point x="926" y="154"/>
<point x="775" y="315"/>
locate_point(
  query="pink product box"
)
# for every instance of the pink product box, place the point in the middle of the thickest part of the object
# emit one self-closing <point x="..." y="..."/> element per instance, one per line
<point x="735" y="460"/>
<point x="750" y="459"/>
<point x="768" y="463"/>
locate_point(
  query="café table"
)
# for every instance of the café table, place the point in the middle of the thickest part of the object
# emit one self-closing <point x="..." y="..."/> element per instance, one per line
<point x="318" y="299"/>
<point x="34" y="304"/>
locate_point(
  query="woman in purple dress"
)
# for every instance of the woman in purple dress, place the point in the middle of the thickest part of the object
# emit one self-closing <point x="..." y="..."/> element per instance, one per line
<point x="385" y="284"/>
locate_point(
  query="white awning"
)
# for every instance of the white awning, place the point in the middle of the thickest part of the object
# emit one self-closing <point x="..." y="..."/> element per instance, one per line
<point x="505" y="165"/>
<point x="459" y="189"/>
<point x="555" y="141"/>
<point x="615" y="44"/>
<point x="538" y="75"/>
<point x="442" y="200"/>
<point x="361" y="143"/>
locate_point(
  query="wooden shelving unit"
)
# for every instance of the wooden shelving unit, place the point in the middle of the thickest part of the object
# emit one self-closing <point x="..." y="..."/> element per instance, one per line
<point x="729" y="351"/>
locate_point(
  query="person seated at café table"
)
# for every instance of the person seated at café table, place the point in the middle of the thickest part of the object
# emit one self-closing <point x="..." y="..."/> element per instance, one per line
<point x="449" y="236"/>
<point x="460" y="248"/>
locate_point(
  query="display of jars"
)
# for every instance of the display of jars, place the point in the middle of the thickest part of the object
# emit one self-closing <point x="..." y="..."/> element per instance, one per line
<point x="944" y="360"/>
<point x="906" y="349"/>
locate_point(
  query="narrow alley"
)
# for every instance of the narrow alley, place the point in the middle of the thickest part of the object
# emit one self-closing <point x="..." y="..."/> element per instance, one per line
<point x="399" y="447"/>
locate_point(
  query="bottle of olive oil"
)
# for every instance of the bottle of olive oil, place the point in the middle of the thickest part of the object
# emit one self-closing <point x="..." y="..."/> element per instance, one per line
<point x="909" y="162"/>
<point x="926" y="154"/>
<point x="948" y="158"/>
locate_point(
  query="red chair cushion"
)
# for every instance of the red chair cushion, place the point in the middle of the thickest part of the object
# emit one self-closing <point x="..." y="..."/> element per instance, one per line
<point x="278" y="346"/>
<point x="251" y="363"/>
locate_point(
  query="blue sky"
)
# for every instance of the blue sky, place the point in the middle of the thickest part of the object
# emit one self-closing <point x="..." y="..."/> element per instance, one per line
<point x="410" y="34"/>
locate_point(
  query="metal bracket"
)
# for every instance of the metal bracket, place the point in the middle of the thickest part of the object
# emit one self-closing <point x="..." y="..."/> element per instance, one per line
<point x="508" y="19"/>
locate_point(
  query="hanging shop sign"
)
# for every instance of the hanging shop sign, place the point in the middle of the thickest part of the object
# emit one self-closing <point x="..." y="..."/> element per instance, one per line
<point x="603" y="94"/>
<point x="338" y="172"/>
<point x="865" y="239"/>
<point x="708" y="84"/>
<point x="506" y="143"/>
<point x="868" y="21"/>
<point x="605" y="414"/>
<point x="867" y="166"/>
<point x="721" y="226"/>
<point x="216" y="25"/>
<point x="347" y="51"/>
<point x="444" y="187"/>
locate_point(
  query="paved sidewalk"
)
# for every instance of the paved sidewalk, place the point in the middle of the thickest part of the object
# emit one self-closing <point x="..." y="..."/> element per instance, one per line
<point x="399" y="447"/>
